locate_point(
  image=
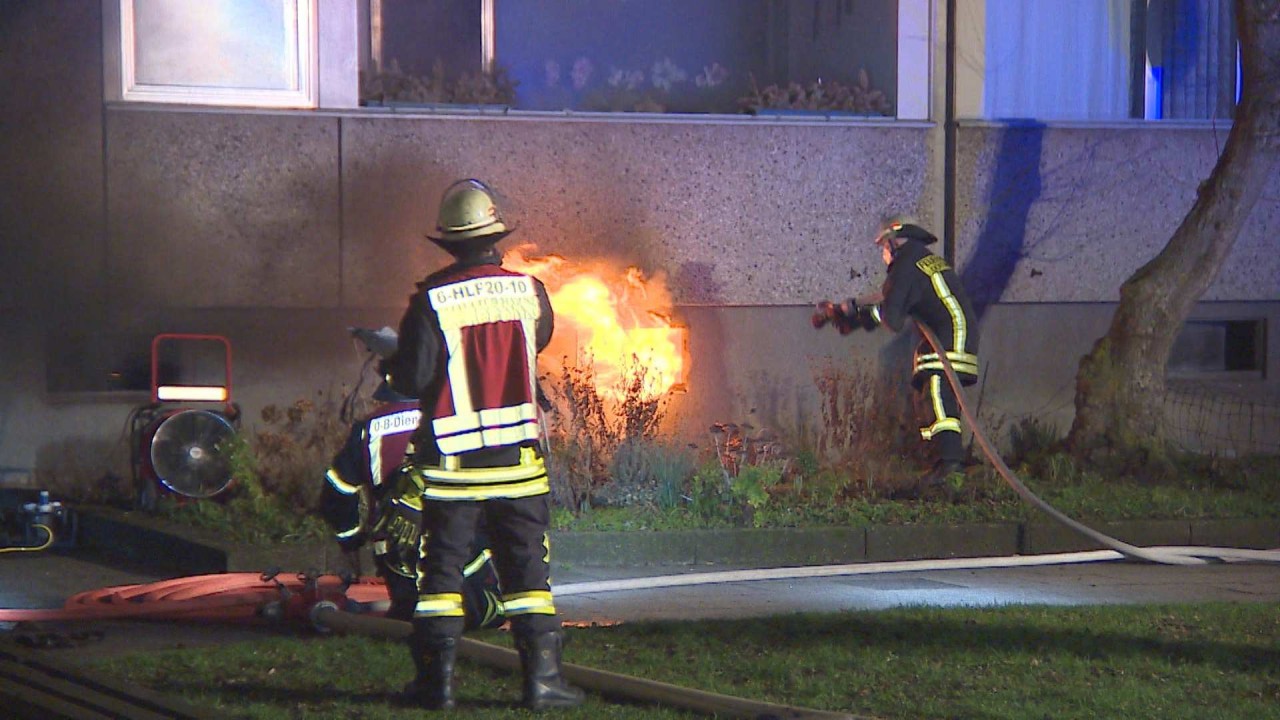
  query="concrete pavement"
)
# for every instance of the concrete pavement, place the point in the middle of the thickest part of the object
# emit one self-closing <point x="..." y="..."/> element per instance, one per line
<point x="672" y="591"/>
<point x="1099" y="582"/>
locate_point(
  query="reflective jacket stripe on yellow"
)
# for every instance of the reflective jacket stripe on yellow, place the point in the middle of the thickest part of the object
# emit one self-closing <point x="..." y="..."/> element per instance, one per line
<point x="516" y="481"/>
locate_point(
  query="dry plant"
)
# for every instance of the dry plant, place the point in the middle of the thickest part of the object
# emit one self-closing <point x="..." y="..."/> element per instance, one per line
<point x="738" y="446"/>
<point x="869" y="431"/>
<point x="820" y="95"/>
<point x="295" y="445"/>
<point x="394" y="85"/>
<point x="587" y="428"/>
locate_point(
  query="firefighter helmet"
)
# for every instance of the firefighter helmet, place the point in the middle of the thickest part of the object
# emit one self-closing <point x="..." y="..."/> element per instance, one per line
<point x="469" y="211"/>
<point x="903" y="228"/>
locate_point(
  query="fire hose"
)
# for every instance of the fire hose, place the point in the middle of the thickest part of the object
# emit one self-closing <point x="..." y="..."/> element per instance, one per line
<point x="1162" y="555"/>
<point x="609" y="684"/>
<point x="335" y="603"/>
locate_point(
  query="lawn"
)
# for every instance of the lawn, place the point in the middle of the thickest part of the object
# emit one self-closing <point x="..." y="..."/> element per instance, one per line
<point x="1216" y="660"/>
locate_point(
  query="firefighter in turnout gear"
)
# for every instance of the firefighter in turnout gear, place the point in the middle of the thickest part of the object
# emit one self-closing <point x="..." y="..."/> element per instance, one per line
<point x="924" y="287"/>
<point x="368" y="499"/>
<point x="468" y="349"/>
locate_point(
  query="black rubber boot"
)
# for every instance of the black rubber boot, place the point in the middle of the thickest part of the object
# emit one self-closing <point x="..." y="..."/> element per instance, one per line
<point x="931" y="483"/>
<point x="938" y="476"/>
<point x="433" y="659"/>
<point x="544" y="687"/>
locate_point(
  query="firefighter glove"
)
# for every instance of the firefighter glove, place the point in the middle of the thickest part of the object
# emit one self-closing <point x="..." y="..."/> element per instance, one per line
<point x="839" y="314"/>
<point x="862" y="316"/>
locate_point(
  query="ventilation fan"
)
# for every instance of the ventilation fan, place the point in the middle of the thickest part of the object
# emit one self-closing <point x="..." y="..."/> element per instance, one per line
<point x="176" y="447"/>
<point x="188" y="455"/>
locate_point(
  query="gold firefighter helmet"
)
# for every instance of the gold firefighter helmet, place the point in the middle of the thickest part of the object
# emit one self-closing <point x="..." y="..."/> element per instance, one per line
<point x="903" y="227"/>
<point x="468" y="211"/>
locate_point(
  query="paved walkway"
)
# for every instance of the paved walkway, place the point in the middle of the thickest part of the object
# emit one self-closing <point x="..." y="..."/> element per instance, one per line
<point x="1068" y="584"/>
<point x="47" y="579"/>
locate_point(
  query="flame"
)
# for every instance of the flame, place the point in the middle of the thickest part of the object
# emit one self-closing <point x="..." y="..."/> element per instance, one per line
<point x="616" y="320"/>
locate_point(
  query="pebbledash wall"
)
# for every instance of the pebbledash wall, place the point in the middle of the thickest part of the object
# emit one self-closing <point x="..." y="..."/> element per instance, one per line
<point x="281" y="229"/>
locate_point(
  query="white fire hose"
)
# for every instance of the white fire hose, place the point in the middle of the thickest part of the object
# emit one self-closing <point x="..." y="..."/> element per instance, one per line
<point x="1162" y="555"/>
<point x="633" y="688"/>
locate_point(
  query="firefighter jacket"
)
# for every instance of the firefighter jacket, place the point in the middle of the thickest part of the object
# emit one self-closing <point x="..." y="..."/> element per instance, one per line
<point x="369" y="498"/>
<point x="357" y="479"/>
<point x="468" y="348"/>
<point x="923" y="286"/>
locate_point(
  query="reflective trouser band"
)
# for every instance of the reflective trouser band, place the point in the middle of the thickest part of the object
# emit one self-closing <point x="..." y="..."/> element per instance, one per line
<point x="347" y="533"/>
<point x="533" y="602"/>
<point x="948" y="425"/>
<point x="529" y="488"/>
<point x="492" y="607"/>
<point x="944" y="423"/>
<point x="476" y="564"/>
<point x="961" y="362"/>
<point x="442" y="605"/>
<point x="381" y="547"/>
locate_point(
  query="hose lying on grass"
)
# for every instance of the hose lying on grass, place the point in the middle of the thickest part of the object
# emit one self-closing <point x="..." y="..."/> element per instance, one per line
<point x="1162" y="555"/>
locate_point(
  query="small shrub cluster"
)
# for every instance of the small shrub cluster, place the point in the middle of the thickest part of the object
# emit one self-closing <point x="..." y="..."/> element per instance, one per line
<point x="829" y="95"/>
<point x="394" y="85"/>
<point x="610" y="469"/>
<point x="277" y="471"/>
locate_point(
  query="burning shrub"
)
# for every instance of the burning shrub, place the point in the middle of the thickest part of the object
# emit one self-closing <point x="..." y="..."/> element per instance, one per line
<point x="588" y="430"/>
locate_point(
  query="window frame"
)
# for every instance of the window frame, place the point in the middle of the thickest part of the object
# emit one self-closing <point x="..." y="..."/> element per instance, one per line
<point x="302" y="45"/>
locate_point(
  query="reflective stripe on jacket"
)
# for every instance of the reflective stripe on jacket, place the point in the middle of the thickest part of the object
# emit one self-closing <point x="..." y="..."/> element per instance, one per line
<point x="468" y="347"/>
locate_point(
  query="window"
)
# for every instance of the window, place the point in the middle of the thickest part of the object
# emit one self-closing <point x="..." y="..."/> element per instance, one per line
<point x="1099" y="59"/>
<point x="259" y="53"/>
<point x="710" y="56"/>
<point x="1209" y="347"/>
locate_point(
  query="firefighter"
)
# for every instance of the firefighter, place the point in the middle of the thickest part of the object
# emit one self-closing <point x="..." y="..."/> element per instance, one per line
<point x="922" y="286"/>
<point x="468" y="349"/>
<point x="367" y="498"/>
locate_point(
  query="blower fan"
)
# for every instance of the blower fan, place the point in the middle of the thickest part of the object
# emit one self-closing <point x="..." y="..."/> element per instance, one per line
<point x="187" y="453"/>
<point x="182" y="449"/>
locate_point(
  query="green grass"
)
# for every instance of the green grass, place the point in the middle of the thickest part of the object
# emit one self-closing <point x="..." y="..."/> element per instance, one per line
<point x="1217" y="660"/>
<point x="981" y="498"/>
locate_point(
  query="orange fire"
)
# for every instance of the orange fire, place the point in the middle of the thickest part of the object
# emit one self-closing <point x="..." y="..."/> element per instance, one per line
<point x="618" y="321"/>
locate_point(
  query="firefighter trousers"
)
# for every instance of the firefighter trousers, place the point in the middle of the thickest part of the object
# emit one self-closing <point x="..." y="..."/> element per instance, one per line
<point x="521" y="554"/>
<point x="943" y="416"/>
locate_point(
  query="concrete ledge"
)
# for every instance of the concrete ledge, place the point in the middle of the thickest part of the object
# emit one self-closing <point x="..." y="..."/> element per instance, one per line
<point x="147" y="541"/>
<point x="166" y="547"/>
<point x="1047" y="536"/>
<point x="924" y="542"/>
<point x="763" y="547"/>
<point x="1255" y="534"/>
<point x="135" y="541"/>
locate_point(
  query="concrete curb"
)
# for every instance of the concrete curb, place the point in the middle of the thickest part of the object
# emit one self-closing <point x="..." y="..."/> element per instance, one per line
<point x="136" y="538"/>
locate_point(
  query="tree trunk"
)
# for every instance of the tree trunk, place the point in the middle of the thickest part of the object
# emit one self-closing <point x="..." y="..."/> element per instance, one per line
<point x="1120" y="384"/>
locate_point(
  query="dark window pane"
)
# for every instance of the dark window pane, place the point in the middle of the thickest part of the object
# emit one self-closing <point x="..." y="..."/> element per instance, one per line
<point x="681" y="56"/>
<point x="1214" y="346"/>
